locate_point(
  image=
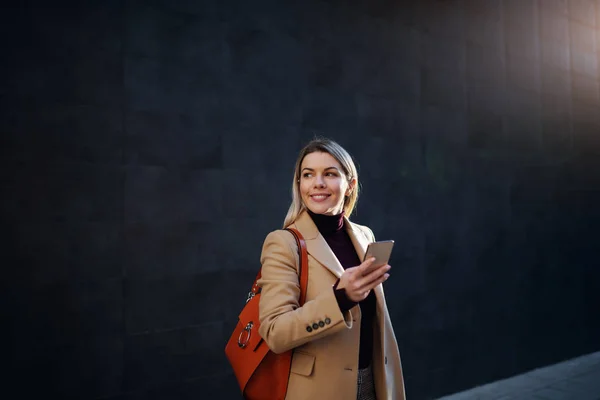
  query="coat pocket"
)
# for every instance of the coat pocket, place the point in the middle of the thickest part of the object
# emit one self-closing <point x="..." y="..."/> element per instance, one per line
<point x="303" y="363"/>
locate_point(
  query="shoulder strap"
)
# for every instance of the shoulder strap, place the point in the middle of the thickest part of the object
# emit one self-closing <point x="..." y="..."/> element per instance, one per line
<point x="302" y="268"/>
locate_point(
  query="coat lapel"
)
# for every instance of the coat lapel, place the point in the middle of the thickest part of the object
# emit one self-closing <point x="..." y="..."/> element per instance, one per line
<point x="316" y="245"/>
<point x="359" y="239"/>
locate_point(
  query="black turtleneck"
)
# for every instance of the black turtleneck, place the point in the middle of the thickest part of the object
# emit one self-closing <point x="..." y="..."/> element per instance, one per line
<point x="332" y="229"/>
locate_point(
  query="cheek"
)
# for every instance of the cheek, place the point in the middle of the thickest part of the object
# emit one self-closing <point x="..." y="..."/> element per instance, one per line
<point x="303" y="189"/>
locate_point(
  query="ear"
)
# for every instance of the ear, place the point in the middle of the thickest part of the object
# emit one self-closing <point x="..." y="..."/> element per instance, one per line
<point x="351" y="186"/>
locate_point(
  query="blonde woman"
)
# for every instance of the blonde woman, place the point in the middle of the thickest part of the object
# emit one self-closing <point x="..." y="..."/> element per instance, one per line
<point x="343" y="340"/>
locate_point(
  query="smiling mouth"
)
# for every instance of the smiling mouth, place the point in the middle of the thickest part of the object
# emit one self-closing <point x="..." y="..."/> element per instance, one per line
<point x="319" y="197"/>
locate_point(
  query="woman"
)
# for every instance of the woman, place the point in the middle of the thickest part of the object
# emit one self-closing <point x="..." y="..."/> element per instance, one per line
<point x="343" y="341"/>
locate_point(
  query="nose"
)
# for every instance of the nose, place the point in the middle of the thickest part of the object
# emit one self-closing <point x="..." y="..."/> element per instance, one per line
<point x="319" y="181"/>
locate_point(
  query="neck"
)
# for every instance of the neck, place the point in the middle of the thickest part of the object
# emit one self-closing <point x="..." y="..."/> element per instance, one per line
<point x="328" y="224"/>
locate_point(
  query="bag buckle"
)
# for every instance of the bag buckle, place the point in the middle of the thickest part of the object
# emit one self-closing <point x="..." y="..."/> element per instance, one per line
<point x="245" y="335"/>
<point x="250" y="296"/>
<point x="255" y="290"/>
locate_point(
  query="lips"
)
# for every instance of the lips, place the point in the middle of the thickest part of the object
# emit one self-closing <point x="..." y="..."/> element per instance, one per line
<point x="319" y="197"/>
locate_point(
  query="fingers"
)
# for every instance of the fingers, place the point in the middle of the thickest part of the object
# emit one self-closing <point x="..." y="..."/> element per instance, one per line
<point x="358" y="286"/>
<point x="372" y="285"/>
<point x="363" y="268"/>
<point x="376" y="282"/>
<point x="374" y="275"/>
<point x="362" y="294"/>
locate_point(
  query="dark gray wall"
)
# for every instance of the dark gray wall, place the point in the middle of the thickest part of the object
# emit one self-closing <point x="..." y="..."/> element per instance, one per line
<point x="147" y="149"/>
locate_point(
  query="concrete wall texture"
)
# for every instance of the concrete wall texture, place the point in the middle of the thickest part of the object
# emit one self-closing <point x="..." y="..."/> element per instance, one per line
<point x="147" y="149"/>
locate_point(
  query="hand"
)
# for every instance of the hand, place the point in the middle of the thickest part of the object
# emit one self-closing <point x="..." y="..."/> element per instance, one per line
<point x="358" y="281"/>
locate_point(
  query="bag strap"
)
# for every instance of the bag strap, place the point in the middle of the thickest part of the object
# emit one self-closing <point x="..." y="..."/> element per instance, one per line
<point x="302" y="268"/>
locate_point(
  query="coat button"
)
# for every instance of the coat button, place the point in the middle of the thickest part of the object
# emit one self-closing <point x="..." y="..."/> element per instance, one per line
<point x="321" y="324"/>
<point x="315" y="326"/>
<point x="308" y="329"/>
<point x="327" y="321"/>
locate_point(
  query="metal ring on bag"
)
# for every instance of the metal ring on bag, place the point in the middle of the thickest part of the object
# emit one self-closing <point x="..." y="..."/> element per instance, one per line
<point x="248" y="331"/>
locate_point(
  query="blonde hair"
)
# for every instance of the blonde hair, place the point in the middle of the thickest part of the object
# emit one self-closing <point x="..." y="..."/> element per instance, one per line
<point x="323" y="145"/>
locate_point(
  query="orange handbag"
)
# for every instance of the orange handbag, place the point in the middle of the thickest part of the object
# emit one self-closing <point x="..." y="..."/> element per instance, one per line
<point x="262" y="374"/>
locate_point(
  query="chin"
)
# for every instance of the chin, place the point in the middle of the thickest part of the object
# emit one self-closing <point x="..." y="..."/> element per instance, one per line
<point x="323" y="210"/>
<point x="319" y="209"/>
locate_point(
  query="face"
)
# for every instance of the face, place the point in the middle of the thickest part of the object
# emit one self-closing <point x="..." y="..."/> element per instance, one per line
<point x="323" y="184"/>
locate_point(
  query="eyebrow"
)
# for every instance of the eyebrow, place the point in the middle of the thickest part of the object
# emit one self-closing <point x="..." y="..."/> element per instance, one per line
<point x="310" y="169"/>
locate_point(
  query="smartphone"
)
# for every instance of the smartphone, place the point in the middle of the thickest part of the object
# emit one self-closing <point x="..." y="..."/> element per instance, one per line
<point x="381" y="251"/>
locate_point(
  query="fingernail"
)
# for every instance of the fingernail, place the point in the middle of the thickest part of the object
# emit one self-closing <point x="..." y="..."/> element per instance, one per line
<point x="386" y="276"/>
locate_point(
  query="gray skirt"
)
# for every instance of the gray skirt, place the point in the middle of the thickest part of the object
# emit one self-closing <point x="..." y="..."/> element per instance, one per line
<point x="366" y="386"/>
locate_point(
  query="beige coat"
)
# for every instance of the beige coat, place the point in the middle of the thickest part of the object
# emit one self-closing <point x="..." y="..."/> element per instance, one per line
<point x="325" y="360"/>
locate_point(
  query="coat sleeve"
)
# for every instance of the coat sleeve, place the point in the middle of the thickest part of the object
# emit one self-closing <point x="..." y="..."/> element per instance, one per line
<point x="284" y="325"/>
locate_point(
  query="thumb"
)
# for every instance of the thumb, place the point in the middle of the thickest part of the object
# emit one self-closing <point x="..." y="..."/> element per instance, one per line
<point x="366" y="264"/>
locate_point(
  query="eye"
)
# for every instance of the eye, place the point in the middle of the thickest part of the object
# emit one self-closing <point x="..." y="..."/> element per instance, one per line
<point x="331" y="174"/>
<point x="306" y="175"/>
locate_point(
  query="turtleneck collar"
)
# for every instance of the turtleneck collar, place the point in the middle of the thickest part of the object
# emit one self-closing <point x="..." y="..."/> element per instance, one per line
<point x="327" y="224"/>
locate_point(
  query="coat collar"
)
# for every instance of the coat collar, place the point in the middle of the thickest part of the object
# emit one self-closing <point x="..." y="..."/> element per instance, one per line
<point x="320" y="250"/>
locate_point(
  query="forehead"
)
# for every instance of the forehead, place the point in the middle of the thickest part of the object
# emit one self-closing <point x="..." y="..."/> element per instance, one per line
<point x="320" y="160"/>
